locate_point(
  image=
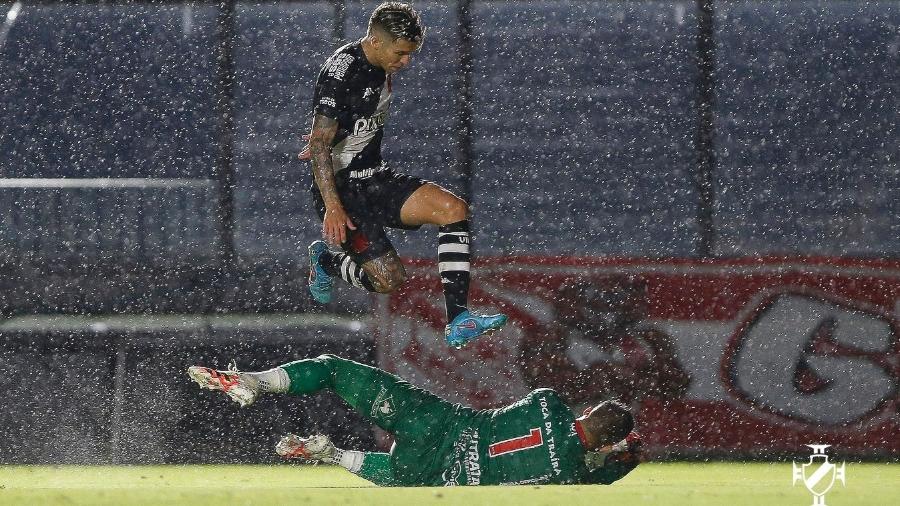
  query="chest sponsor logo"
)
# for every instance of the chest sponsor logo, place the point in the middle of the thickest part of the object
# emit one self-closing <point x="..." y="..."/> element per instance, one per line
<point x="364" y="126"/>
<point x="471" y="461"/>
<point x="465" y="457"/>
<point x="330" y="102"/>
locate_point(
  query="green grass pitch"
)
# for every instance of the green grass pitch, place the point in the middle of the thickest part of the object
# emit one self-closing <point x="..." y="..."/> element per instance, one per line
<point x="670" y="484"/>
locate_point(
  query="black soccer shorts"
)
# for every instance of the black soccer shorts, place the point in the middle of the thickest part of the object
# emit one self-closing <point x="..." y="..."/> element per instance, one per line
<point x="372" y="203"/>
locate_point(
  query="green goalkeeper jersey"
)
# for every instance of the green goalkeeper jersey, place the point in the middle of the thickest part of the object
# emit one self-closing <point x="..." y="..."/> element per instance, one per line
<point x="531" y="441"/>
<point x="439" y="443"/>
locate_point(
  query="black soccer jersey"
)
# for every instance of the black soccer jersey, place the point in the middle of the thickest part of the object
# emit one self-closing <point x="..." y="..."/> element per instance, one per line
<point x="356" y="94"/>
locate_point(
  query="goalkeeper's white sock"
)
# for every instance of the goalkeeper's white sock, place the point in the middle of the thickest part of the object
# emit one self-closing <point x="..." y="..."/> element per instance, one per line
<point x="274" y="380"/>
<point x="350" y="460"/>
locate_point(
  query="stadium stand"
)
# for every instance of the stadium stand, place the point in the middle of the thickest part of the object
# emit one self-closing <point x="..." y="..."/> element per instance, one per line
<point x="808" y="138"/>
<point x="594" y="106"/>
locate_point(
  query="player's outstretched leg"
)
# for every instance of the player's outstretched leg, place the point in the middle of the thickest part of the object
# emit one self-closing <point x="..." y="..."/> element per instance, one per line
<point x="453" y="266"/>
<point x="324" y="265"/>
<point x="415" y="417"/>
<point x="242" y="388"/>
<point x="410" y="413"/>
<point x="432" y="204"/>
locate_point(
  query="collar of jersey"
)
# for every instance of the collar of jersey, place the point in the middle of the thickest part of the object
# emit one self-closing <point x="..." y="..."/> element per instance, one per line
<point x="580" y="431"/>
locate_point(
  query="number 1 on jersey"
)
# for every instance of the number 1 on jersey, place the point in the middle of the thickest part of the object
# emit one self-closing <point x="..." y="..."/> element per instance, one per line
<point x="532" y="440"/>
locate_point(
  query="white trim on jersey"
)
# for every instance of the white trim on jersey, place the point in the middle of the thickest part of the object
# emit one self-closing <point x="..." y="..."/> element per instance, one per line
<point x="365" y="129"/>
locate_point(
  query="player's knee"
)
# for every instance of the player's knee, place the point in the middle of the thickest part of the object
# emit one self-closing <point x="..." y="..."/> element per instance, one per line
<point x="333" y="363"/>
<point x="385" y="273"/>
<point x="391" y="282"/>
<point x="455" y="209"/>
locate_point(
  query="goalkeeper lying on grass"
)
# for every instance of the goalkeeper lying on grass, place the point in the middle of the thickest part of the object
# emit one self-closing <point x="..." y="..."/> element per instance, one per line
<point x="536" y="440"/>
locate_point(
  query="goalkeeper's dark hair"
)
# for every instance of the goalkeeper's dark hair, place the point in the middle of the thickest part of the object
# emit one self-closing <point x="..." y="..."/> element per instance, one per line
<point x="399" y="20"/>
<point x="611" y="421"/>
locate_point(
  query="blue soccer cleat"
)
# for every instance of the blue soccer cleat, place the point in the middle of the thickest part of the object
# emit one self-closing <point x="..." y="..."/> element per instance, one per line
<point x="467" y="326"/>
<point x="320" y="283"/>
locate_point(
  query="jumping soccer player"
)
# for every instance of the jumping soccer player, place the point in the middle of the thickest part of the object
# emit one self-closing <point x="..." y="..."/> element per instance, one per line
<point x="357" y="194"/>
<point x="533" y="441"/>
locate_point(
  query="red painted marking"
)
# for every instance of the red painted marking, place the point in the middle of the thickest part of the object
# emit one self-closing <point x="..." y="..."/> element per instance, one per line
<point x="684" y="291"/>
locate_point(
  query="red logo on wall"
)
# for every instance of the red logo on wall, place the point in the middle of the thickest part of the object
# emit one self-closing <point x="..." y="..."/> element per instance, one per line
<point x="812" y="358"/>
<point x="737" y="356"/>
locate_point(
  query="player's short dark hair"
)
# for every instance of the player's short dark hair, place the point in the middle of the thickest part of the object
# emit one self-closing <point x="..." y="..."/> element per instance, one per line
<point x="399" y="20"/>
<point x="614" y="419"/>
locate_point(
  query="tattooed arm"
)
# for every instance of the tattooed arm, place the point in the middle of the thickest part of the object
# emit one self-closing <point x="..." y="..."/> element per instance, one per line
<point x="336" y="219"/>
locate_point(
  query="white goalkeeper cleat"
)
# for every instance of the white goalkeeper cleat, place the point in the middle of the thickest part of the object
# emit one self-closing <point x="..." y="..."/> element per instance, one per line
<point x="315" y="447"/>
<point x="243" y="389"/>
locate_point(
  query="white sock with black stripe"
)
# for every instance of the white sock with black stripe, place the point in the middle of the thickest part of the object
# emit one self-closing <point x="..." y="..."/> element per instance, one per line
<point x="453" y="266"/>
<point x="351" y="272"/>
